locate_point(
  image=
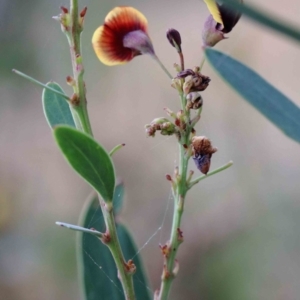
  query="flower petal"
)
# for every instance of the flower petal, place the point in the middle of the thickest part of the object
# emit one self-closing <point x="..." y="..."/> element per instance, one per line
<point x="213" y="8"/>
<point x="108" y="39"/>
<point x="229" y="17"/>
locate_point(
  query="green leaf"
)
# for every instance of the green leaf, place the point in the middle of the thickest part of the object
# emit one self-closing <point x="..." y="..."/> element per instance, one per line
<point x="264" y="19"/>
<point x="141" y="285"/>
<point x="258" y="92"/>
<point x="118" y="198"/>
<point x="56" y="108"/>
<point x="97" y="269"/>
<point x="88" y="158"/>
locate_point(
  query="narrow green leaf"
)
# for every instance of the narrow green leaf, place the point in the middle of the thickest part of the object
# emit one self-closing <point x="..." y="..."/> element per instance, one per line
<point x="88" y="158"/>
<point x="257" y="91"/>
<point x="264" y="19"/>
<point x="130" y="250"/>
<point x="97" y="269"/>
<point x="118" y="198"/>
<point x="56" y="108"/>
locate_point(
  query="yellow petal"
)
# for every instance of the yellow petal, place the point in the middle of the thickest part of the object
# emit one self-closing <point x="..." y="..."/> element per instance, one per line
<point x="126" y="12"/>
<point x="214" y="10"/>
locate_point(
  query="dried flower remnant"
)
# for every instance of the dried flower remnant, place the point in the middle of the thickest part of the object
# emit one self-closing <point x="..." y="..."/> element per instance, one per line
<point x="203" y="151"/>
<point x="122" y="36"/>
<point x="197" y="81"/>
<point x="222" y="20"/>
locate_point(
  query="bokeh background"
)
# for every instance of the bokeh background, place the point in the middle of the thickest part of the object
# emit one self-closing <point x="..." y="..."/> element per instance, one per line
<point x="241" y="227"/>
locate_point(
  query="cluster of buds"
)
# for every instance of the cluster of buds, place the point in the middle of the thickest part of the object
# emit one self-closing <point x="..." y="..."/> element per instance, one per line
<point x="163" y="125"/>
<point x="193" y="85"/>
<point x="203" y="151"/>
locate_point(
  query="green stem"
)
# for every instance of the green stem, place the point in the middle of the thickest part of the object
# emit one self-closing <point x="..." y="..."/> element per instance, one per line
<point x="116" y="251"/>
<point x="162" y="66"/>
<point x="192" y="183"/>
<point x="176" y="239"/>
<point x="202" y="63"/>
<point x="80" y="109"/>
<point x="73" y="36"/>
<point x="115" y="149"/>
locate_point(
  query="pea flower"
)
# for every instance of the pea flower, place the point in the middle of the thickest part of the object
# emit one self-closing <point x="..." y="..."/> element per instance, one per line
<point x="122" y="36"/>
<point x="222" y="20"/>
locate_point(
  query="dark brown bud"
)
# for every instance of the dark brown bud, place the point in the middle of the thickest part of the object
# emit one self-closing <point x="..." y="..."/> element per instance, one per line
<point x="64" y="9"/>
<point x="70" y="81"/>
<point x="174" y="38"/>
<point x="83" y="12"/>
<point x="75" y="101"/>
<point x="169" y="177"/>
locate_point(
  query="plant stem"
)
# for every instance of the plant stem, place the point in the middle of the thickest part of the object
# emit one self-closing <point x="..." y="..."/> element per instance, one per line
<point x="73" y="36"/>
<point x="162" y="66"/>
<point x="116" y="251"/>
<point x="80" y="109"/>
<point x="176" y="237"/>
<point x="115" y="149"/>
<point x="202" y="63"/>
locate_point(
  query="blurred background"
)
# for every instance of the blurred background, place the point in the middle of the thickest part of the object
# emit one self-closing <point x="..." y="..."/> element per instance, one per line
<point x="241" y="227"/>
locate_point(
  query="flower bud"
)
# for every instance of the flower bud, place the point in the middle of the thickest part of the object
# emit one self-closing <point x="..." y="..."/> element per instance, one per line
<point x="174" y="38"/>
<point x="177" y="84"/>
<point x="194" y="100"/>
<point x="64" y="19"/>
<point x="167" y="128"/>
<point x="164" y="125"/>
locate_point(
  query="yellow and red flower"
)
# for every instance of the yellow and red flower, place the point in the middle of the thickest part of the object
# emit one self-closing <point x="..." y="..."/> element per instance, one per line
<point x="123" y="36"/>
